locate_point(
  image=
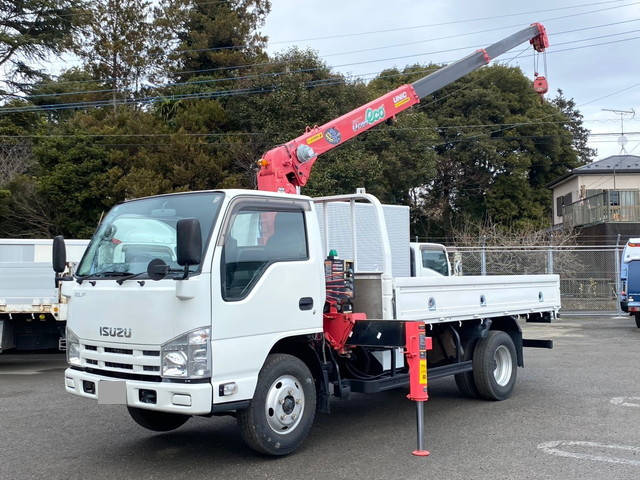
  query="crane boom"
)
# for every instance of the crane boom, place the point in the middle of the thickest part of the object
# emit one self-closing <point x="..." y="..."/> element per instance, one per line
<point x="287" y="167"/>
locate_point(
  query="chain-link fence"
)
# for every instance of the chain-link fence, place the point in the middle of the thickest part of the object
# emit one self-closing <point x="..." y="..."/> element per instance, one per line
<point x="588" y="275"/>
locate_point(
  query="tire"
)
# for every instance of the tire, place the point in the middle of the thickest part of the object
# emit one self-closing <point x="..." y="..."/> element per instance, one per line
<point x="465" y="382"/>
<point x="283" y="408"/>
<point x="495" y="366"/>
<point x="637" y="315"/>
<point x="157" y="421"/>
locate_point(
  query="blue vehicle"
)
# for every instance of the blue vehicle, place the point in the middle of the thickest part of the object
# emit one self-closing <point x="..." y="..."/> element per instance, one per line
<point x="630" y="279"/>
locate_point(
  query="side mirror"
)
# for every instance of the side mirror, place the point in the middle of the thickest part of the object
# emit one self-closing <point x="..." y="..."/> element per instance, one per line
<point x="59" y="254"/>
<point x="189" y="243"/>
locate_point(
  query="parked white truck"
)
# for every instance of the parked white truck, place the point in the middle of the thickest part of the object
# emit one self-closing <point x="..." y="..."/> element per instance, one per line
<point x="429" y="259"/>
<point x="263" y="304"/>
<point x="32" y="315"/>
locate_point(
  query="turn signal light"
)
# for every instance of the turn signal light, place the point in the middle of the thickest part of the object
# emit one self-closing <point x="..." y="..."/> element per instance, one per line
<point x="262" y="162"/>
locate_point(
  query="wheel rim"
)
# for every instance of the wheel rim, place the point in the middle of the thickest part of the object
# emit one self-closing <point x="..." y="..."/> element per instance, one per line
<point x="285" y="404"/>
<point x="504" y="365"/>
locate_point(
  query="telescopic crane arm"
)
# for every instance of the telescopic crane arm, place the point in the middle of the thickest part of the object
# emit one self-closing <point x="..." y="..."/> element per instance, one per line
<point x="287" y="167"/>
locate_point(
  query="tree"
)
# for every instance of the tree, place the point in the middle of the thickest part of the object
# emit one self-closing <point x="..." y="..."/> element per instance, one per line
<point x="120" y="46"/>
<point x="498" y="148"/>
<point x="31" y="30"/>
<point x="212" y="36"/>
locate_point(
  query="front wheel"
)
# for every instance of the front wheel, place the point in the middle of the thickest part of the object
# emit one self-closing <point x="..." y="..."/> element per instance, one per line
<point x="495" y="366"/>
<point x="283" y="407"/>
<point x="637" y="315"/>
<point x="157" y="421"/>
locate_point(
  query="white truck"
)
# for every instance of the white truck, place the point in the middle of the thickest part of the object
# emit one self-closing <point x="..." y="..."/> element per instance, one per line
<point x="263" y="304"/>
<point x="428" y="259"/>
<point x="32" y="315"/>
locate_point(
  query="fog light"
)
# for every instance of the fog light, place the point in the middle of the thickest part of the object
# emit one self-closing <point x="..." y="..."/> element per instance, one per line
<point x="227" y="389"/>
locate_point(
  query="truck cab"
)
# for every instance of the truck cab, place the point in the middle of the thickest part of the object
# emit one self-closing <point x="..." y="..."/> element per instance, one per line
<point x="429" y="259"/>
<point x="630" y="279"/>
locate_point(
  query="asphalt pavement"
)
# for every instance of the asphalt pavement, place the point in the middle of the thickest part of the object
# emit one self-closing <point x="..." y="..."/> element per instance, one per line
<point x="575" y="414"/>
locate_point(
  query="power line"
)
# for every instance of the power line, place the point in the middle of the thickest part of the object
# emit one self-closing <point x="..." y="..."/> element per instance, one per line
<point x="232" y="92"/>
<point x="224" y="134"/>
<point x="476" y="32"/>
<point x="307" y="70"/>
<point x="452" y="22"/>
<point x="359" y="51"/>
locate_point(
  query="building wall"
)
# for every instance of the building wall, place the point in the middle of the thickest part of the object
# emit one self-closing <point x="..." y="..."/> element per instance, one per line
<point x="623" y="181"/>
<point x="569" y="186"/>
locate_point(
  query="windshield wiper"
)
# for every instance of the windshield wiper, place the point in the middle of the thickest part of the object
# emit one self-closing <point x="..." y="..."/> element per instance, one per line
<point x="128" y="276"/>
<point x="108" y="273"/>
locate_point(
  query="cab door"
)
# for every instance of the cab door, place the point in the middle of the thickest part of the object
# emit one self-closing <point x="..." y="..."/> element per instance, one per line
<point x="267" y="282"/>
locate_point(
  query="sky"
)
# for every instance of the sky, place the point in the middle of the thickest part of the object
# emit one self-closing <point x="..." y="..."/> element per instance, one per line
<point x="585" y="74"/>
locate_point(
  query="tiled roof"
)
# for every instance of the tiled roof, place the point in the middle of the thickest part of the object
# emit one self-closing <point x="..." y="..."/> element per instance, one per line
<point x="614" y="163"/>
<point x="619" y="163"/>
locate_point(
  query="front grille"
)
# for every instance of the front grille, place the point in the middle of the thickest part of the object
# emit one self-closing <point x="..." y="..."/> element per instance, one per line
<point x="124" y="358"/>
<point x="124" y="366"/>
<point x="123" y="351"/>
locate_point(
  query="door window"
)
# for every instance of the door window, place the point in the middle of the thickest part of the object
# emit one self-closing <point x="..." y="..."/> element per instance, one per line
<point x="255" y="239"/>
<point x="435" y="260"/>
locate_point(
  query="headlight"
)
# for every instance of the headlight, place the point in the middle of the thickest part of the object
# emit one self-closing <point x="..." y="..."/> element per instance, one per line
<point x="188" y="356"/>
<point x="73" y="348"/>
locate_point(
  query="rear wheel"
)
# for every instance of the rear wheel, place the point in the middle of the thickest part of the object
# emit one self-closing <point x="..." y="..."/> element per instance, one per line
<point x="283" y="407"/>
<point x="495" y="366"/>
<point x="157" y="421"/>
<point x="637" y="315"/>
<point x="465" y="382"/>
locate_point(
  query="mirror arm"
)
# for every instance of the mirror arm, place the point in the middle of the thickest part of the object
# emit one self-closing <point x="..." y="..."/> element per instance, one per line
<point x="186" y="273"/>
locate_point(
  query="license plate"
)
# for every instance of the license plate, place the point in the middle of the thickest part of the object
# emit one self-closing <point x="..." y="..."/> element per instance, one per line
<point x="112" y="392"/>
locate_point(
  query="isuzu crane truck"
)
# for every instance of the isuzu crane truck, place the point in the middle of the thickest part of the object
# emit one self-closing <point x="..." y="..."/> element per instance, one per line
<point x="264" y="304"/>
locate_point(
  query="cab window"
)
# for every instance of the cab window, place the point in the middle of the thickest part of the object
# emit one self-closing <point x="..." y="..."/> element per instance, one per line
<point x="435" y="260"/>
<point x="255" y="239"/>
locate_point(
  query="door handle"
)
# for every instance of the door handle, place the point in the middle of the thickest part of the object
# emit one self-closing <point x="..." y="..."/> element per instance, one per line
<point x="306" y="303"/>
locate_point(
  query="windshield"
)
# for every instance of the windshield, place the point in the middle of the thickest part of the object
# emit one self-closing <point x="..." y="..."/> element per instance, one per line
<point x="136" y="232"/>
<point x="435" y="260"/>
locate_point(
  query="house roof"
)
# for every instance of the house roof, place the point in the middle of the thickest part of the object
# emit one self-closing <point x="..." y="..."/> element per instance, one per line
<point x="607" y="165"/>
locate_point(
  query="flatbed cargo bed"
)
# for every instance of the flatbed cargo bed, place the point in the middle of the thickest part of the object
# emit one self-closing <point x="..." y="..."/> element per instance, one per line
<point x="450" y="299"/>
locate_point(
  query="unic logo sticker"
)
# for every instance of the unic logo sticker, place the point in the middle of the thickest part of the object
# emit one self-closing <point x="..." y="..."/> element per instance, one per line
<point x="332" y="135"/>
<point x="372" y="115"/>
<point x="400" y="99"/>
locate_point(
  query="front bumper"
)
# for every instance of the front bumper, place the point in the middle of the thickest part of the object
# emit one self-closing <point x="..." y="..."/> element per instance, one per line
<point x="184" y="398"/>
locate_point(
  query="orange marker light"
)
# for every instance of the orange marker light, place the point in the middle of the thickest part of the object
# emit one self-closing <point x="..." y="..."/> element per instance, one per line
<point x="262" y="162"/>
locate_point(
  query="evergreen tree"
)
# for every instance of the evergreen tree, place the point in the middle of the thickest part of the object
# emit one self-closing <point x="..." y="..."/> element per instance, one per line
<point x="212" y="36"/>
<point x="31" y="30"/>
<point x="120" y="46"/>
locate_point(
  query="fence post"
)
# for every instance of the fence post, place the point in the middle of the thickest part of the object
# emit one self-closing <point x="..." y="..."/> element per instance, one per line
<point x="617" y="283"/>
<point x="550" y="255"/>
<point x="483" y="256"/>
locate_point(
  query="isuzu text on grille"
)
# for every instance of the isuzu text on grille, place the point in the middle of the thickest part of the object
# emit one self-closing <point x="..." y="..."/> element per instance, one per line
<point x="115" y="332"/>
